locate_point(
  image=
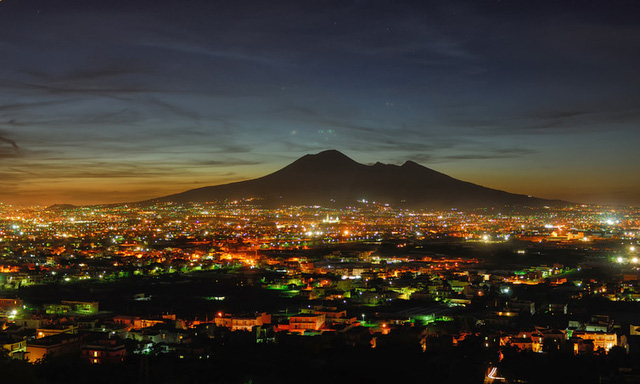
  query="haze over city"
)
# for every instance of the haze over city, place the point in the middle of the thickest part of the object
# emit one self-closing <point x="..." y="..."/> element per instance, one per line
<point x="119" y="101"/>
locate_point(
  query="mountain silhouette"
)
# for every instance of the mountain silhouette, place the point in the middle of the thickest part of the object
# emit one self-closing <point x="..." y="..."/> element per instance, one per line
<point x="330" y="178"/>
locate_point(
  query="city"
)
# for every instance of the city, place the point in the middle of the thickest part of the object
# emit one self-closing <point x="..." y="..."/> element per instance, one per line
<point x="140" y="285"/>
<point x="319" y="191"/>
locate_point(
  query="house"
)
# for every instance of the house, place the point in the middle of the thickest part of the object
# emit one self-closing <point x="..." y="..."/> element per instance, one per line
<point x="136" y="322"/>
<point x="60" y="344"/>
<point x="33" y="322"/>
<point x="55" y="330"/>
<point x="333" y="316"/>
<point x="303" y="322"/>
<point x="10" y="304"/>
<point x="15" y="345"/>
<point x="243" y="323"/>
<point x="528" y="341"/>
<point x="581" y="346"/>
<point x="82" y="307"/>
<point x="601" y="340"/>
<point x="110" y="351"/>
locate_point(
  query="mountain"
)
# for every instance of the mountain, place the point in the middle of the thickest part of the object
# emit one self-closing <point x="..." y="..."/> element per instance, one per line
<point x="330" y="178"/>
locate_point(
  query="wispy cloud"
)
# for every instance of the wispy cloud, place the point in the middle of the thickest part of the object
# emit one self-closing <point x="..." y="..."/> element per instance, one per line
<point x="10" y="142"/>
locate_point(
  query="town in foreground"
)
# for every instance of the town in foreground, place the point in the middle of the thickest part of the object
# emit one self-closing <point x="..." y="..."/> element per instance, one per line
<point x="228" y="292"/>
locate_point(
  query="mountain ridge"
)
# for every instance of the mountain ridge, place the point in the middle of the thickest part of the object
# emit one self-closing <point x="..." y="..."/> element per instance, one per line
<point x="330" y="178"/>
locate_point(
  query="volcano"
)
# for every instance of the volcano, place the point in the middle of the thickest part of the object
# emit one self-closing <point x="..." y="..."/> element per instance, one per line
<point x="332" y="179"/>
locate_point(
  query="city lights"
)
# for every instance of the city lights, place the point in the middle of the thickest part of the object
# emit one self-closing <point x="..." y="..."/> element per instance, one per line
<point x="375" y="258"/>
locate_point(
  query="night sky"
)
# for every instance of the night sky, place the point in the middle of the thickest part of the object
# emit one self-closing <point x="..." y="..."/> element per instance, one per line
<point x="111" y="101"/>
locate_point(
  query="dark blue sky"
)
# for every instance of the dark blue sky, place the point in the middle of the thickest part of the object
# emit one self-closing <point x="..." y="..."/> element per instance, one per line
<point x="105" y="101"/>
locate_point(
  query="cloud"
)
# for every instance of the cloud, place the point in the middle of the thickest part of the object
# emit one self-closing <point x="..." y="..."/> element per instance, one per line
<point x="20" y="107"/>
<point x="496" y="154"/>
<point x="8" y="148"/>
<point x="102" y="90"/>
<point x="226" y="162"/>
<point x="10" y="142"/>
<point x="478" y="153"/>
<point x="99" y="72"/>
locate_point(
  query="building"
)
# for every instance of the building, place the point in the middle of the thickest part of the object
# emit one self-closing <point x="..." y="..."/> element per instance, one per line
<point x="61" y="344"/>
<point x="9" y="304"/>
<point x="528" y="341"/>
<point x="243" y="323"/>
<point x="135" y="322"/>
<point x="600" y="339"/>
<point x="110" y="351"/>
<point x="77" y="307"/>
<point x="15" y="346"/>
<point x="32" y="323"/>
<point x="55" y="330"/>
<point x="83" y="307"/>
<point x="304" y="322"/>
<point x="333" y="316"/>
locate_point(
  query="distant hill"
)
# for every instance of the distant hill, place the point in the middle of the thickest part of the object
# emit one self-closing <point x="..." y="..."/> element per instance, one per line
<point x="330" y="178"/>
<point x="61" y="207"/>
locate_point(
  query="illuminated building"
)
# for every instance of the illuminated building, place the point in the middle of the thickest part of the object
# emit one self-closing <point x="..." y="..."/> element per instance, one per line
<point x="56" y="330"/>
<point x="242" y="323"/>
<point x="304" y="322"/>
<point x="61" y="344"/>
<point x="15" y="347"/>
<point x="600" y="339"/>
<point x="104" y="351"/>
<point x="8" y="304"/>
